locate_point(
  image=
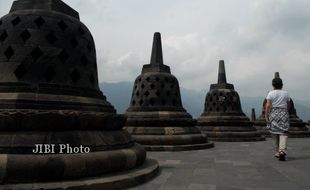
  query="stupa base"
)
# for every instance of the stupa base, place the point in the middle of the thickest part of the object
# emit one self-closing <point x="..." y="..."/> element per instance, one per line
<point x="178" y="147"/>
<point x="117" y="180"/>
<point x="228" y="134"/>
<point x="179" y="138"/>
<point x="263" y="130"/>
<point x="294" y="132"/>
<point x="173" y="142"/>
<point x="299" y="132"/>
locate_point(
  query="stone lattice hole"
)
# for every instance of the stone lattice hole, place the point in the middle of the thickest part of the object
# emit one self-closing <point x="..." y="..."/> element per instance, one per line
<point x="16" y="21"/>
<point x="39" y="21"/>
<point x="51" y="38"/>
<point x="152" y="86"/>
<point x="20" y="71"/>
<point x="147" y="93"/>
<point x="62" y="25"/>
<point x="25" y="35"/>
<point x="9" y="52"/>
<point x="36" y="53"/>
<point x="3" y="36"/>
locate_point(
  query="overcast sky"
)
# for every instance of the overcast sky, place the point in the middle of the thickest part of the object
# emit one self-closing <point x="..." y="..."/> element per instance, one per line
<point x="254" y="37"/>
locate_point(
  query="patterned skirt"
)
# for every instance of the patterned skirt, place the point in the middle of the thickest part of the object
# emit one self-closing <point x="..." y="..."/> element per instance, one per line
<point x="279" y="121"/>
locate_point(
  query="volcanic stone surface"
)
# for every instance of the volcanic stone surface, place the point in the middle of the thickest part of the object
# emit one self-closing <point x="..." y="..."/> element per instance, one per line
<point x="297" y="128"/>
<point x="223" y="118"/>
<point x="49" y="94"/>
<point x="156" y="117"/>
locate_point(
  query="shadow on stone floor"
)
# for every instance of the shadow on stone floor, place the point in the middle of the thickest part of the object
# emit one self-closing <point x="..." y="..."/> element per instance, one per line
<point x="294" y="158"/>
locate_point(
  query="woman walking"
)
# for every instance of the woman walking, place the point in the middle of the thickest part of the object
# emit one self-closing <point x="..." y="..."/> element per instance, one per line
<point x="277" y="116"/>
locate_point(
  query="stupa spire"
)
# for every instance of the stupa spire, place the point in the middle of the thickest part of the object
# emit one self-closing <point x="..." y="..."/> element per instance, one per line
<point x="253" y="115"/>
<point x="157" y="52"/>
<point x="276" y="75"/>
<point x="222" y="73"/>
<point x="156" y="63"/>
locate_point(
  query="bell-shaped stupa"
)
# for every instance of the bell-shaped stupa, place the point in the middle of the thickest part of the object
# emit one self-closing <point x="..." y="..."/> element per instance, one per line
<point x="223" y="118"/>
<point x="156" y="117"/>
<point x="297" y="126"/>
<point x="57" y="130"/>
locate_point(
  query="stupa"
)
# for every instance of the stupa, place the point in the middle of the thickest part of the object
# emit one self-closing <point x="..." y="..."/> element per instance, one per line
<point x="223" y="118"/>
<point x="156" y="118"/>
<point x="57" y="130"/>
<point x="297" y="126"/>
<point x="253" y="115"/>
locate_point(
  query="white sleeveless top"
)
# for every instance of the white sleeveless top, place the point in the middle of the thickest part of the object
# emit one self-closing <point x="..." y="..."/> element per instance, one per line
<point x="279" y="98"/>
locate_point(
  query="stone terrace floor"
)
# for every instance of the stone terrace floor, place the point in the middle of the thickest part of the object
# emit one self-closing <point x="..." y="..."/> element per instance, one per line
<point x="233" y="166"/>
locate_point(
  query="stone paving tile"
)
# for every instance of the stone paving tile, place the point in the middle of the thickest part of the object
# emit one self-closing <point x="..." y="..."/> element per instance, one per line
<point x="233" y="166"/>
<point x="201" y="187"/>
<point x="172" y="187"/>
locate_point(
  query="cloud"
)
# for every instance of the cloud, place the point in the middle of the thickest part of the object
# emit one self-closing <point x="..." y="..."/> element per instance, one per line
<point x="255" y="38"/>
<point x="125" y="68"/>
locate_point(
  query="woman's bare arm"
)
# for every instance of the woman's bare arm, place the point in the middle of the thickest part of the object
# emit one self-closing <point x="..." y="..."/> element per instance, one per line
<point x="267" y="110"/>
<point x="289" y="106"/>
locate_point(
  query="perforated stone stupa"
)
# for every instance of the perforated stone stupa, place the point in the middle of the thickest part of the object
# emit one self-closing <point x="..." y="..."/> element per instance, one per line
<point x="49" y="95"/>
<point x="297" y="126"/>
<point x="156" y="117"/>
<point x="223" y="118"/>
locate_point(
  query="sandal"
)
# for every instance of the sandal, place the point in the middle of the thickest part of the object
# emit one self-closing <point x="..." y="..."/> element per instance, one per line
<point x="282" y="156"/>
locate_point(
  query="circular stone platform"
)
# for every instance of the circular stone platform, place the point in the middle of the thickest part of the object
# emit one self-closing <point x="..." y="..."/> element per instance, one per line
<point x="118" y="180"/>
